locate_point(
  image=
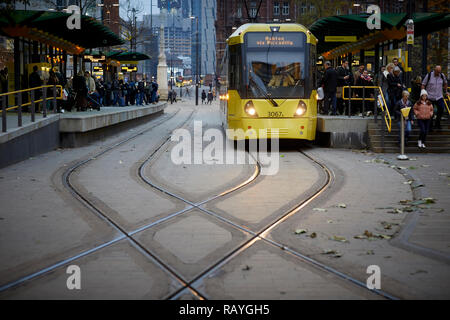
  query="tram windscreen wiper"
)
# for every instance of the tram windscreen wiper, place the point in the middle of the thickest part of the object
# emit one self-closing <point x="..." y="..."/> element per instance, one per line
<point x="263" y="92"/>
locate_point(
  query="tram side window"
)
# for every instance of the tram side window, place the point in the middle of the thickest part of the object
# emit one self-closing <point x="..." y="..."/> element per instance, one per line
<point x="312" y="64"/>
<point x="235" y="61"/>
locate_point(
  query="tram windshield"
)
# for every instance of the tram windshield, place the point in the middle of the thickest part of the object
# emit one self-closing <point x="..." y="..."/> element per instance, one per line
<point x="276" y="65"/>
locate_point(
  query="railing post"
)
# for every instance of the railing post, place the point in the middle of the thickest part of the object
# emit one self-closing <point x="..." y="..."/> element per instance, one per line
<point x="349" y="101"/>
<point x="364" y="101"/>
<point x="44" y="103"/>
<point x="382" y="131"/>
<point x="33" y="114"/>
<point x="54" y="99"/>
<point x="375" y="107"/>
<point x="19" y="109"/>
<point x="4" y="103"/>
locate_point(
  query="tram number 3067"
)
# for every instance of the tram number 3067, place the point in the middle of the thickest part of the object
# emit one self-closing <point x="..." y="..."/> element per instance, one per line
<point x="275" y="114"/>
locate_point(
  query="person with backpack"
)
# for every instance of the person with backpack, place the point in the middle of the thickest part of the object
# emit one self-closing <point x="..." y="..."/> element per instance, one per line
<point x="435" y="83"/>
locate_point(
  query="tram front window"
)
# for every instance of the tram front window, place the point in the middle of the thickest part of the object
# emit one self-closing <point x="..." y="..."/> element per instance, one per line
<point x="276" y="65"/>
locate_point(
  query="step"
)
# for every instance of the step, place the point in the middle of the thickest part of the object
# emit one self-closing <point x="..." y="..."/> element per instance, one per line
<point x="410" y="150"/>
<point x="395" y="131"/>
<point x="373" y="125"/>
<point x="412" y="144"/>
<point x="412" y="137"/>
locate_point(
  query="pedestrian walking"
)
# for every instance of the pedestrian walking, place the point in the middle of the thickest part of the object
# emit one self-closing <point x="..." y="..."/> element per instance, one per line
<point x="402" y="72"/>
<point x="203" y="96"/>
<point x="210" y="97"/>
<point x="115" y="88"/>
<point x="329" y="85"/>
<point x="423" y="110"/>
<point x="435" y="83"/>
<point x="404" y="102"/>
<point x="395" y="88"/>
<point x="416" y="87"/>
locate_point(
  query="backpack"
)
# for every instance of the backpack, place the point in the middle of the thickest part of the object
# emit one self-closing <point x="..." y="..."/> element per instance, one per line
<point x="429" y="77"/>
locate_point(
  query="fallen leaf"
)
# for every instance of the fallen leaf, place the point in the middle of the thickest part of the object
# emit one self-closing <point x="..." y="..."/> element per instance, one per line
<point x="370" y="252"/>
<point x="313" y="235"/>
<point x="300" y="231"/>
<point x="329" y="221"/>
<point x="339" y="238"/>
<point x="408" y="182"/>
<point x="412" y="168"/>
<point x="428" y="200"/>
<point x="320" y="209"/>
<point x="361" y="236"/>
<point x="368" y="234"/>
<point x="342" y="205"/>
<point x="246" y="268"/>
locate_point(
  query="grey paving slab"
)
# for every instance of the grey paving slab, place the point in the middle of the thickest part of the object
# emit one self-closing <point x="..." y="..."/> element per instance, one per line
<point x="117" y="272"/>
<point x="198" y="182"/>
<point x="265" y="272"/>
<point x="112" y="181"/>
<point x="191" y="242"/>
<point x="41" y="223"/>
<point x="371" y="190"/>
<point x="271" y="196"/>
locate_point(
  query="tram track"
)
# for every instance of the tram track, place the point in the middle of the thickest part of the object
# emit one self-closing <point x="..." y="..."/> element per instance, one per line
<point x="263" y="232"/>
<point x="87" y="203"/>
<point x="260" y="235"/>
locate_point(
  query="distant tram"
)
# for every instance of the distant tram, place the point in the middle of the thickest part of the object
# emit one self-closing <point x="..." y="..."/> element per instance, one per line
<point x="268" y="77"/>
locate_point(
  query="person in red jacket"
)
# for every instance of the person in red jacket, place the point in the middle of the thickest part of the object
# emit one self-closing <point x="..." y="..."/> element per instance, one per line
<point x="423" y="110"/>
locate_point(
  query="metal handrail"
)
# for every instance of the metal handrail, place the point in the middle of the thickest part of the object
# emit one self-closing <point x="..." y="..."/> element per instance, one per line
<point x="60" y="97"/>
<point x="4" y="102"/>
<point x="387" y="115"/>
<point x="446" y="104"/>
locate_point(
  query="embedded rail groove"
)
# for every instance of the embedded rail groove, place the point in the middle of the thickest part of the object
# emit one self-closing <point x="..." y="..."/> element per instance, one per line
<point x="261" y="234"/>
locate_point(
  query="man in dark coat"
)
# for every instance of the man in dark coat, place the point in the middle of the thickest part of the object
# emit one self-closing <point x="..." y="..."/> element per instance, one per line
<point x="34" y="80"/>
<point x="345" y="78"/>
<point x="329" y="84"/>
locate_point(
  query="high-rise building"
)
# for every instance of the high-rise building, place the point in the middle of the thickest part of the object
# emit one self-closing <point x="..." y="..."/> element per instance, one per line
<point x="205" y="12"/>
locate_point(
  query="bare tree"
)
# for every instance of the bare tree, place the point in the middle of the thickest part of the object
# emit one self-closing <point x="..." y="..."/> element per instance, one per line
<point x="130" y="30"/>
<point x="84" y="5"/>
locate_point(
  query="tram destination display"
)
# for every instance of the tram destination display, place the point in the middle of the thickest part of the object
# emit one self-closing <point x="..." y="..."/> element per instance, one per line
<point x="279" y="40"/>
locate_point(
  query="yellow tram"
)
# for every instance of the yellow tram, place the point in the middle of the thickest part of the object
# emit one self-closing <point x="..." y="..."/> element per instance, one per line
<point x="268" y="77"/>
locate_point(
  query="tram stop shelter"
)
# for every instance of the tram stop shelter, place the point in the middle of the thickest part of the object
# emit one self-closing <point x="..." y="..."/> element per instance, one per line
<point x="335" y="33"/>
<point x="43" y="37"/>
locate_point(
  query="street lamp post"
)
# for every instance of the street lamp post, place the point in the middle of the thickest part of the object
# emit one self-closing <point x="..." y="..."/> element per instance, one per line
<point x="196" y="64"/>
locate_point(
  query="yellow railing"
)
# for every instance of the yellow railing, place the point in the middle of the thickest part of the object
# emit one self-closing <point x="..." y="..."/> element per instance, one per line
<point x="383" y="104"/>
<point x="29" y="91"/>
<point x="446" y="104"/>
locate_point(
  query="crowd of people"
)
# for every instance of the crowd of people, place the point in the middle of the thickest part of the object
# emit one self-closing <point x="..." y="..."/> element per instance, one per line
<point x="88" y="91"/>
<point x="426" y="99"/>
<point x="84" y="91"/>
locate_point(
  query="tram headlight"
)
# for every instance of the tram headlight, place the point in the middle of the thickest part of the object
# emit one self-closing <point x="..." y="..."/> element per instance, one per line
<point x="301" y="109"/>
<point x="250" y="109"/>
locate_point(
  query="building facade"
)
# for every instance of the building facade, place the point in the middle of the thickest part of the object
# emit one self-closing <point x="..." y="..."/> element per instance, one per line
<point x="205" y="12"/>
